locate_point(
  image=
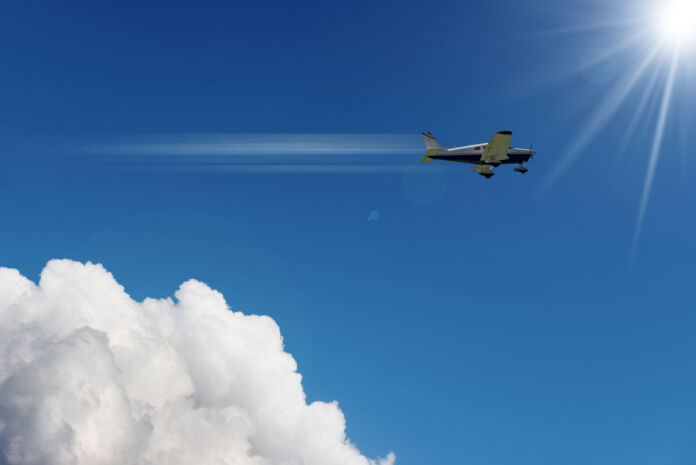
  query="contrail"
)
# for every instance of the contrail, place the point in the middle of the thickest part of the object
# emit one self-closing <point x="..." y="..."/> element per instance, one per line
<point x="264" y="153"/>
<point x="230" y="145"/>
<point x="304" y="168"/>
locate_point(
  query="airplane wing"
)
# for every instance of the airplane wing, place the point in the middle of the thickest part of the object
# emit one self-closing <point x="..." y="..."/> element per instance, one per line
<point x="497" y="148"/>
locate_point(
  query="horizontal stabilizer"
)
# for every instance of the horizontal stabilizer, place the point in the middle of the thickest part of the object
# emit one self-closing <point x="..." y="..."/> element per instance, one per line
<point x="428" y="154"/>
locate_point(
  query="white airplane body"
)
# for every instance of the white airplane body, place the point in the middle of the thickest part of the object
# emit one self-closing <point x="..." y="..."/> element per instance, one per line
<point x="485" y="156"/>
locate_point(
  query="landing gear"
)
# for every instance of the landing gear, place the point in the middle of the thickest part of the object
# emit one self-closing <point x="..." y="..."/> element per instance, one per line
<point x="521" y="169"/>
<point x="484" y="170"/>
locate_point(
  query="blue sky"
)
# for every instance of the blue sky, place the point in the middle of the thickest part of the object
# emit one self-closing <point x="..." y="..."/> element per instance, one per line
<point x="494" y="322"/>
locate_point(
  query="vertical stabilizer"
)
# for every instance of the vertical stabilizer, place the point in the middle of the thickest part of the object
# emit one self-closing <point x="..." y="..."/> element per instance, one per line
<point x="432" y="145"/>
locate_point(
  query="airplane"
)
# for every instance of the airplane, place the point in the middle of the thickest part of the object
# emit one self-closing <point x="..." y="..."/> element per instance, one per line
<point x="485" y="156"/>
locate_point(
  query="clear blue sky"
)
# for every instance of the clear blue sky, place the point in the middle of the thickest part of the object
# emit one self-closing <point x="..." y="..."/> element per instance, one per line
<point x="498" y="323"/>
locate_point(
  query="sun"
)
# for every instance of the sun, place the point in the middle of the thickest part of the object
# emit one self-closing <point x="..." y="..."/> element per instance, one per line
<point x="677" y="21"/>
<point x="661" y="46"/>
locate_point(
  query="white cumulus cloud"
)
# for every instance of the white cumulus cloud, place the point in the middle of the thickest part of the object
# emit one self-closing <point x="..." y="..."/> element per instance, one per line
<point x="90" y="376"/>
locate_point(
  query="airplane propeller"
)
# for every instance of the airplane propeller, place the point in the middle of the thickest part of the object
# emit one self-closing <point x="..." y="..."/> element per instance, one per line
<point x="531" y="152"/>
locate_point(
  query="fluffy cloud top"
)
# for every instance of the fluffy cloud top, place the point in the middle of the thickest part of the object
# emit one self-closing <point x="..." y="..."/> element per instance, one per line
<point x="89" y="376"/>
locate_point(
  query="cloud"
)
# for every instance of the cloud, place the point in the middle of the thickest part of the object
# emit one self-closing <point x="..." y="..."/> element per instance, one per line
<point x="89" y="376"/>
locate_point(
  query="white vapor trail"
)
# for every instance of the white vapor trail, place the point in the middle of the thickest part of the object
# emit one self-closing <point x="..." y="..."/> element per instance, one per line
<point x="230" y="145"/>
<point x="304" y="168"/>
<point x="266" y="153"/>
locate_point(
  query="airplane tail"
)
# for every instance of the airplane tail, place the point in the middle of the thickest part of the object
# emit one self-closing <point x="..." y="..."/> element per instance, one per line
<point x="432" y="145"/>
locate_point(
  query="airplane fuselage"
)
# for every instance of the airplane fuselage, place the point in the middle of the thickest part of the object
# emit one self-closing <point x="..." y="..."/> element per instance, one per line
<point x="485" y="156"/>
<point x="473" y="153"/>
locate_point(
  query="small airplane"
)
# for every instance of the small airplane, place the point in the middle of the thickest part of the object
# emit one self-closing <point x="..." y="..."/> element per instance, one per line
<point x="485" y="156"/>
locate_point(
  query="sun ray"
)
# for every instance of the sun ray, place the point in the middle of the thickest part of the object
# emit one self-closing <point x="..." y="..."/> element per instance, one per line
<point x="615" y="50"/>
<point x="650" y="90"/>
<point x="601" y="57"/>
<point x="599" y="119"/>
<point x="587" y="27"/>
<point x="655" y="149"/>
